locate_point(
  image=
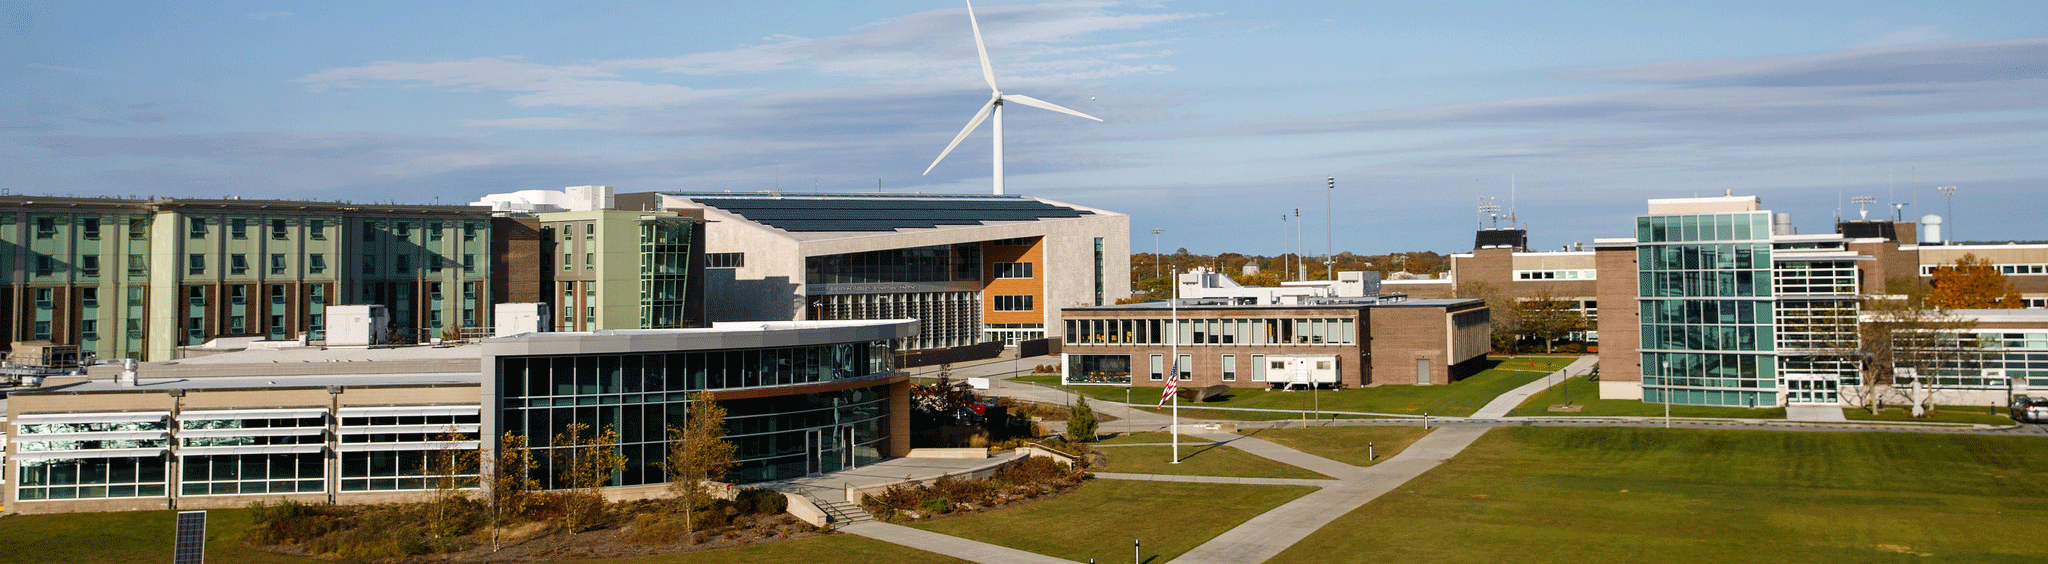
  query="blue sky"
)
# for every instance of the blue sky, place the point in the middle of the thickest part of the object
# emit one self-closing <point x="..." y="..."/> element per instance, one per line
<point x="1218" y="116"/>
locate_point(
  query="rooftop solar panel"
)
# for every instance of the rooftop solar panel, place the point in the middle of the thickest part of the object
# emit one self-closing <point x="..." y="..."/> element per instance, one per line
<point x="883" y="214"/>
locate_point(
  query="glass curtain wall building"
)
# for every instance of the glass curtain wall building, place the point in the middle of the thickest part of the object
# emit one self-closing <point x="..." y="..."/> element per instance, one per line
<point x="800" y="397"/>
<point x="1705" y="292"/>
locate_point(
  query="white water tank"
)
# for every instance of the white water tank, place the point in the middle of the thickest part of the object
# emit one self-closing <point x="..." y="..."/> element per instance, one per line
<point x="1930" y="229"/>
<point x="1781" y="224"/>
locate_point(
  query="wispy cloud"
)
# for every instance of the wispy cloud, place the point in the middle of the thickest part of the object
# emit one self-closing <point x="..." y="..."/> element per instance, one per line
<point x="1917" y="35"/>
<point x="260" y="16"/>
<point x="1037" y="45"/>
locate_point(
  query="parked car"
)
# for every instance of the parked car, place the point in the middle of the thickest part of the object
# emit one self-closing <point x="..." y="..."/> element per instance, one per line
<point x="2030" y="409"/>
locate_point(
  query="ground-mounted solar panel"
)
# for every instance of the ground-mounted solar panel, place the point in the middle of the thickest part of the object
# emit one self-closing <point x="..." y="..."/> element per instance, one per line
<point x="191" y="538"/>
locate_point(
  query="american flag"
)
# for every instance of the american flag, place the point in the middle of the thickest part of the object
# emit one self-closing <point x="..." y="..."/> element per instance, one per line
<point x="1172" y="383"/>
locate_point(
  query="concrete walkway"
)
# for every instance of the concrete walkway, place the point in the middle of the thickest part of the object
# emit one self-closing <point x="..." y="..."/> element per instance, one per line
<point x="1815" y="413"/>
<point x="1500" y="406"/>
<point x="1216" y="479"/>
<point x="970" y="550"/>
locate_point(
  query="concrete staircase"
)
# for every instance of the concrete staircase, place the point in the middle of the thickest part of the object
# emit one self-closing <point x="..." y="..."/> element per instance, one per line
<point x="843" y="513"/>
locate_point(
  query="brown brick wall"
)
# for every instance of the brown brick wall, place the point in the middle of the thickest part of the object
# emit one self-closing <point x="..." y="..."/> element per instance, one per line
<point x="1620" y="328"/>
<point x="516" y="269"/>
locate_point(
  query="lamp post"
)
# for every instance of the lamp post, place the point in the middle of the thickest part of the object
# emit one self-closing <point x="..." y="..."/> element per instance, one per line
<point x="1330" y="230"/>
<point x="1665" y="379"/>
<point x="1301" y="268"/>
<point x="1155" y="251"/>
<point x="1286" y="267"/>
<point x="1949" y="192"/>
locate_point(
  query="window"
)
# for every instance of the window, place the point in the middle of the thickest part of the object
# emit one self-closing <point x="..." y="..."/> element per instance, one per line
<point x="1013" y="270"/>
<point x="316" y="230"/>
<point x="1013" y="303"/>
<point x="469" y="231"/>
<point x="279" y="230"/>
<point x="90" y="227"/>
<point x="567" y="260"/>
<point x="198" y="228"/>
<point x="138" y="228"/>
<point x="589" y="261"/>
<point x="1230" y="368"/>
<point x="1186" y="366"/>
<point x="370" y="231"/>
<point x="433" y="231"/>
<point x="316" y="263"/>
<point x="469" y="263"/>
<point x="46" y="227"/>
<point x="1158" y="368"/>
<point x="137" y="265"/>
<point x="1017" y="242"/>
<point x="44" y="265"/>
<point x="238" y="263"/>
<point x="404" y="264"/>
<point x="195" y="265"/>
<point x="725" y="260"/>
<point x="238" y="228"/>
<point x="277" y="263"/>
<point x="589" y="229"/>
<point x="434" y="264"/>
<point x="402" y="230"/>
<point x="89" y="265"/>
<point x="89" y="297"/>
<point x="369" y="264"/>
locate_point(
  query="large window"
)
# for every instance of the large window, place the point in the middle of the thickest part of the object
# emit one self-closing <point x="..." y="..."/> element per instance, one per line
<point x="1013" y="303"/>
<point x="937" y="263"/>
<point x="1098" y="369"/>
<point x="1013" y="270"/>
<point x="725" y="260"/>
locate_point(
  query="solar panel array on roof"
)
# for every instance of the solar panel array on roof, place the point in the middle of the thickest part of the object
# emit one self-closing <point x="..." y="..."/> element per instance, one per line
<point x="817" y="215"/>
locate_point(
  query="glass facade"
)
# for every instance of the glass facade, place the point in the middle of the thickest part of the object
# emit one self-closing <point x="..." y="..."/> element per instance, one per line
<point x="936" y="263"/>
<point x="1286" y="331"/>
<point x="641" y="395"/>
<point x="1705" y="293"/>
<point x="664" y="273"/>
<point x="113" y="456"/>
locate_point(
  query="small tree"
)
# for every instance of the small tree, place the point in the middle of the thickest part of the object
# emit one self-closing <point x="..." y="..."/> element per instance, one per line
<point x="1548" y="318"/>
<point x="449" y="471"/>
<point x="586" y="465"/>
<point x="698" y="455"/>
<point x="512" y="483"/>
<point x="1081" y="421"/>
<point x="1908" y="332"/>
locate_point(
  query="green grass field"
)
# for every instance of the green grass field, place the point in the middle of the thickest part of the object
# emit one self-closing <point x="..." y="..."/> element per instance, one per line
<point x="1100" y="519"/>
<point x="1200" y="460"/>
<point x="1143" y="437"/>
<point x="1587" y="393"/>
<point x="1940" y="414"/>
<point x="145" y="536"/>
<point x="1344" y="444"/>
<point x="1531" y="494"/>
<point x="1458" y="399"/>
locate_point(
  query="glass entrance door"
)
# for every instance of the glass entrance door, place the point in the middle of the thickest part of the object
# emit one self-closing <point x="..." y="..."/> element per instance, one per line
<point x="829" y="449"/>
<point x="1812" y="391"/>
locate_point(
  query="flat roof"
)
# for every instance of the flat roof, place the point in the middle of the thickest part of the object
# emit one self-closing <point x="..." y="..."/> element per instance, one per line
<point x="145" y="383"/>
<point x="846" y="213"/>
<point x="1163" y="305"/>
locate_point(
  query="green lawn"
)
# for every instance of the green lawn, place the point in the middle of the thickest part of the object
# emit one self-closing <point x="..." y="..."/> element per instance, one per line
<point x="1344" y="444"/>
<point x="1102" y="518"/>
<point x="1940" y="414"/>
<point x="1200" y="460"/>
<point x="1142" y="437"/>
<point x="1458" y="399"/>
<point x="145" y="536"/>
<point x="1586" y="393"/>
<point x="1533" y="494"/>
<point x="1235" y="415"/>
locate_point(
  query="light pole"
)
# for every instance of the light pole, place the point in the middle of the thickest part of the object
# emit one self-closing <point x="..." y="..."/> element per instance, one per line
<point x="1155" y="251"/>
<point x="1330" y="230"/>
<point x="1300" y="267"/>
<point x="1286" y="267"/>
<point x="1949" y="192"/>
<point x="1664" y="377"/>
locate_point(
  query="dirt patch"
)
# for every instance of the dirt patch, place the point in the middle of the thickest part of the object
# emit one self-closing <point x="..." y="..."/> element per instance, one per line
<point x="1902" y="549"/>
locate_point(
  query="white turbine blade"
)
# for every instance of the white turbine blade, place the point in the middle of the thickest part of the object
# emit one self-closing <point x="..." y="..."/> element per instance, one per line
<point x="987" y="73"/>
<point x="971" y="124"/>
<point x="1042" y="104"/>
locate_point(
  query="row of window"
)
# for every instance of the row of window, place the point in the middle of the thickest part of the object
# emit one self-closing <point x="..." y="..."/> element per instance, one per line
<point x="725" y="260"/>
<point x="238" y="228"/>
<point x="1212" y="331"/>
<point x="1747" y="226"/>
<point x="1572" y="274"/>
<point x="2006" y="269"/>
<point x="1013" y="303"/>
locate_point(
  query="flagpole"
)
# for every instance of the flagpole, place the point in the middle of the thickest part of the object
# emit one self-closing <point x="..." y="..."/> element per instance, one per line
<point x="1173" y="373"/>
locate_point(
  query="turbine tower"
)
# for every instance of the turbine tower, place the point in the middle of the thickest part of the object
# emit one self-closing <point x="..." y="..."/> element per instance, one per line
<point x="995" y="106"/>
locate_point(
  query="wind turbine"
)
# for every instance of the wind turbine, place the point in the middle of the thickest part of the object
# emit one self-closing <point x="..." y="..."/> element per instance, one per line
<point x="995" y="106"/>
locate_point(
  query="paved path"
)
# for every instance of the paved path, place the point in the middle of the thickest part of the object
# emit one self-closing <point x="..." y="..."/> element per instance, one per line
<point x="1500" y="406"/>
<point x="970" y="550"/>
<point x="1815" y="413"/>
<point x="1216" y="479"/>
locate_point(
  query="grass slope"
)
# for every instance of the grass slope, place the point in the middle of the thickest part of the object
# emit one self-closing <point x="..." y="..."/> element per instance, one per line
<point x="1587" y="393"/>
<point x="1459" y="398"/>
<point x="1100" y="519"/>
<point x="1200" y="460"/>
<point x="1344" y="444"/>
<point x="1523" y="495"/>
<point x="145" y="536"/>
<point x="1941" y="414"/>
